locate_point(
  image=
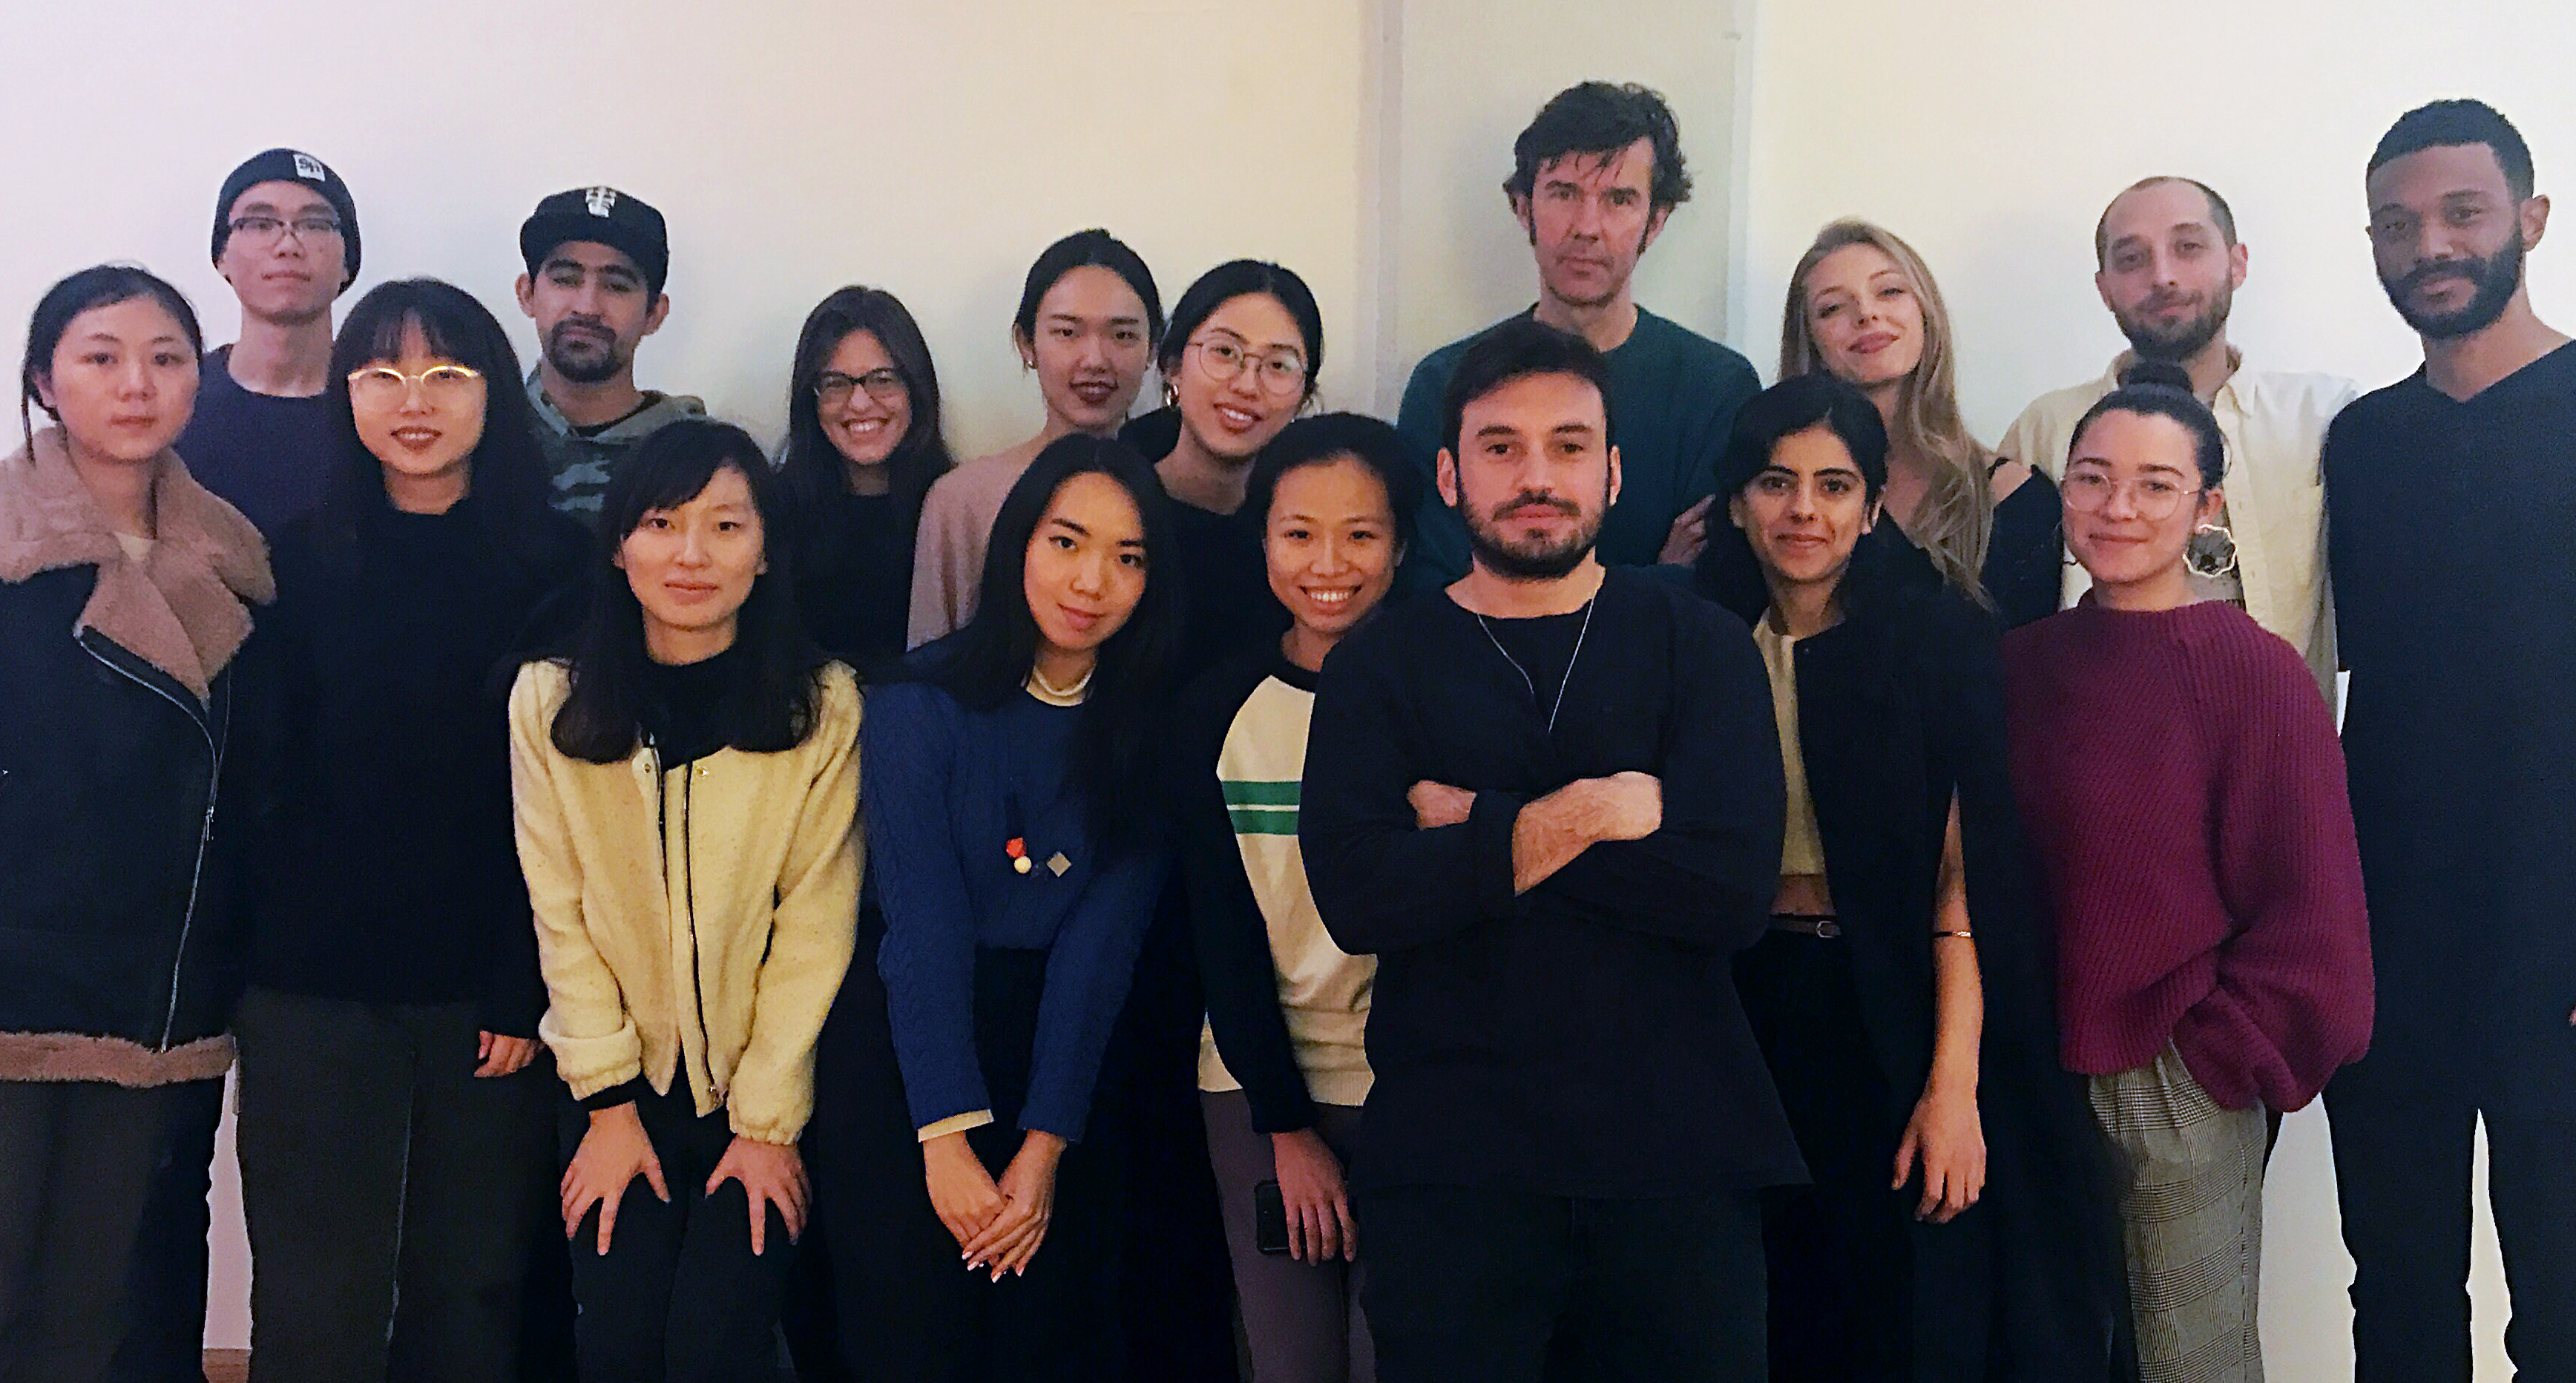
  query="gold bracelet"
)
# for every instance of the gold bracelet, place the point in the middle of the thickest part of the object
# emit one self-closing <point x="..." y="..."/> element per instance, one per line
<point x="1963" y="934"/>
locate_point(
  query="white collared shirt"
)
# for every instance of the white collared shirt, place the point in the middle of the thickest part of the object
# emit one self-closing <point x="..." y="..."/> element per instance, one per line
<point x="2275" y="427"/>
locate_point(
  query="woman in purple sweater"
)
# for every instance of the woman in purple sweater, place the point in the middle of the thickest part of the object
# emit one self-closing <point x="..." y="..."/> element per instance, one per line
<point x="2183" y="793"/>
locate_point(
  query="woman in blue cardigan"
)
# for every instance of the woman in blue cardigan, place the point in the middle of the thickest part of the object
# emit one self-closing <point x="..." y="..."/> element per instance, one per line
<point x="1015" y="861"/>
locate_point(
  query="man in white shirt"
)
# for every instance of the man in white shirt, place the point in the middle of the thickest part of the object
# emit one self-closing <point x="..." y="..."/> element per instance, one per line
<point x="2169" y="265"/>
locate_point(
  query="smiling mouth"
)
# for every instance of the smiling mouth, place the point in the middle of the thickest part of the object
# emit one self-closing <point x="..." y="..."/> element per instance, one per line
<point x="1331" y="597"/>
<point x="1094" y="391"/>
<point x="417" y="438"/>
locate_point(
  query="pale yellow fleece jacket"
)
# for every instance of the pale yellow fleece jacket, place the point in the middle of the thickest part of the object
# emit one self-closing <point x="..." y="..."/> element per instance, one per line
<point x="701" y="918"/>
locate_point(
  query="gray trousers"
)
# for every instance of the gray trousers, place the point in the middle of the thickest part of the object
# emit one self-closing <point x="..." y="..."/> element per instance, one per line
<point x="1302" y="1321"/>
<point x="2191" y="1220"/>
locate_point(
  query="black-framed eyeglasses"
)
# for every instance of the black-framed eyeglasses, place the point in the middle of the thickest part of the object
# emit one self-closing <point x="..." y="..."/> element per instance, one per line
<point x="268" y="230"/>
<point x="884" y="384"/>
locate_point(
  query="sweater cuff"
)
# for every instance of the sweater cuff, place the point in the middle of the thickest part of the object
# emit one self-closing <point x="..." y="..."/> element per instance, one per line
<point x="954" y="1123"/>
<point x="1490" y="823"/>
<point x="624" y="1092"/>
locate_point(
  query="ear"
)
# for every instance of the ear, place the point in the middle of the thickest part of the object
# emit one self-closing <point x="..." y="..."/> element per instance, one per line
<point x="2238" y="256"/>
<point x="2102" y="286"/>
<point x="1027" y="349"/>
<point x="526" y="288"/>
<point x="1521" y="213"/>
<point x="2535" y="220"/>
<point x="1869" y="516"/>
<point x="1654" y="227"/>
<point x="1738" y="514"/>
<point x="617" y="557"/>
<point x="2213" y="502"/>
<point x="1614" y="475"/>
<point x="1444" y="474"/>
<point x="45" y="394"/>
<point x="661" y="311"/>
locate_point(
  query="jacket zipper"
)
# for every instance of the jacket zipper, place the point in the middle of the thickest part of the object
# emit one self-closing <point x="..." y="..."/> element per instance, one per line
<point x="205" y="827"/>
<point x="688" y="884"/>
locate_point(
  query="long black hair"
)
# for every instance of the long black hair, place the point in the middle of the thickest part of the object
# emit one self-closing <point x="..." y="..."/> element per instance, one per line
<point x="770" y="704"/>
<point x="100" y="285"/>
<point x="988" y="661"/>
<point x="1728" y="571"/>
<point x="507" y="476"/>
<point x="811" y="464"/>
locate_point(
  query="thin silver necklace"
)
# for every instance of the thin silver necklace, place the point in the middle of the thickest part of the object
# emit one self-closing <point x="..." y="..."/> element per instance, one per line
<point x="1561" y="683"/>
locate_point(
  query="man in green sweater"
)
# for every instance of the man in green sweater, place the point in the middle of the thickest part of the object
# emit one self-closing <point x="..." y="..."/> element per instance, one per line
<point x="596" y="262"/>
<point x="1593" y="179"/>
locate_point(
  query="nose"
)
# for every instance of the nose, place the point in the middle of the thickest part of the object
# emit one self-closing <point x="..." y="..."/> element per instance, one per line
<point x="1332" y="556"/>
<point x="1091" y="573"/>
<point x="693" y="547"/>
<point x="1803" y="500"/>
<point x="1095" y="349"/>
<point x="1587" y="218"/>
<point x="136" y="381"/>
<point x="2121" y="502"/>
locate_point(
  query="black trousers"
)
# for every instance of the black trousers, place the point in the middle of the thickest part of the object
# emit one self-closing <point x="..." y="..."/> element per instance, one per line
<point x="679" y="1297"/>
<point x="1840" y="1249"/>
<point x="1468" y="1286"/>
<point x="1176" y="1279"/>
<point x="77" y="1161"/>
<point x="165" y="1333"/>
<point x="2403" y="1125"/>
<point x="908" y="1310"/>
<point x="392" y="1195"/>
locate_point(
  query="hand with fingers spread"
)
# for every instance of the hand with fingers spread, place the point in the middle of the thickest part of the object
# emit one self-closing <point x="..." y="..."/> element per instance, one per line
<point x="1028" y="1203"/>
<point x="771" y="1174"/>
<point x="502" y="1056"/>
<point x="612" y="1154"/>
<point x="961" y="1191"/>
<point x="1689" y="535"/>
<point x="1949" y="1140"/>
<point x="1320" y="1226"/>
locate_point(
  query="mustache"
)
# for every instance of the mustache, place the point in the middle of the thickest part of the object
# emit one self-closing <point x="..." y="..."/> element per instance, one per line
<point x="1527" y="498"/>
<point x="2432" y="269"/>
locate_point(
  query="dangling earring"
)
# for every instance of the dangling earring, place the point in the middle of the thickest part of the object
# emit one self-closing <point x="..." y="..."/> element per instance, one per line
<point x="2212" y="553"/>
<point x="1171" y="394"/>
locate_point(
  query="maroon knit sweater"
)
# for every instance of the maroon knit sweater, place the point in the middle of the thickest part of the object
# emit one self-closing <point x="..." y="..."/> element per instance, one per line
<point x="2183" y="793"/>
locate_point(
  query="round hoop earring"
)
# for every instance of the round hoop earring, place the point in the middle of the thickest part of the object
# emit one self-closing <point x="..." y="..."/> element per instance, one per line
<point x="2212" y="553"/>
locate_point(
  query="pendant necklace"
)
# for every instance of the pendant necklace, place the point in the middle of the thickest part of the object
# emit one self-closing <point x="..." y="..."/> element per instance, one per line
<point x="1563" y="682"/>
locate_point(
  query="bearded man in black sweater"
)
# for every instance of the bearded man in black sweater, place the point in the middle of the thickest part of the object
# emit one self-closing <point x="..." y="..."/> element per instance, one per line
<point x="1549" y="800"/>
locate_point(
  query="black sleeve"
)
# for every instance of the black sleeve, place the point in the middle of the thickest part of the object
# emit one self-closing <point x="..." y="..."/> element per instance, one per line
<point x="1960" y="658"/>
<point x="2025" y="563"/>
<point x="1381" y="883"/>
<point x="1707" y="878"/>
<point x="1235" y="966"/>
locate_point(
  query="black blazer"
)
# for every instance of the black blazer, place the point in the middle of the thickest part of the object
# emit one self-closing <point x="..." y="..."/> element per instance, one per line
<point x="1900" y="707"/>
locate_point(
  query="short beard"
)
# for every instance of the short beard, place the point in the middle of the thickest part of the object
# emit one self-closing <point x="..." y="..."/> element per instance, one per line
<point x="2494" y="277"/>
<point x="2183" y="340"/>
<point x="1497" y="555"/>
<point x="582" y="371"/>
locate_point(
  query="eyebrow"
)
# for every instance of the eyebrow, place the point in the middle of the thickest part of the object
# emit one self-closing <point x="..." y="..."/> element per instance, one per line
<point x="1077" y="319"/>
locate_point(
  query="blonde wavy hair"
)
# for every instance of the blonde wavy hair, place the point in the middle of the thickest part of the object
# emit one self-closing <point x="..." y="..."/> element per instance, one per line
<point x="1957" y="516"/>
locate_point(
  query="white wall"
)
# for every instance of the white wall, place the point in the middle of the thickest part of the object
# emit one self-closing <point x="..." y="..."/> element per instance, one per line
<point x="1472" y="73"/>
<point x="794" y="145"/>
<point x="800" y="144"/>
<point x="1990" y="135"/>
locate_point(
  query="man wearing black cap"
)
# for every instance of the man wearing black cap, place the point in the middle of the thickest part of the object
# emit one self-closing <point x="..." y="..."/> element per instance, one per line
<point x="596" y="261"/>
<point x="286" y="239"/>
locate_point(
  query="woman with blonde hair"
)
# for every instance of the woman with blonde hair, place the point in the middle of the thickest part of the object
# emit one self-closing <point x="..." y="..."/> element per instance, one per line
<point x="1863" y="307"/>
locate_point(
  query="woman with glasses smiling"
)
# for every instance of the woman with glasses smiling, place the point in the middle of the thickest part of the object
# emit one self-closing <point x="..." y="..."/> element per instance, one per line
<point x="2184" y="796"/>
<point x="863" y="445"/>
<point x="396" y="1150"/>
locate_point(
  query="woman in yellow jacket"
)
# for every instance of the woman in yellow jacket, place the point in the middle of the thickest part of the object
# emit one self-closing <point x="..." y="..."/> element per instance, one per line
<point x="686" y="790"/>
